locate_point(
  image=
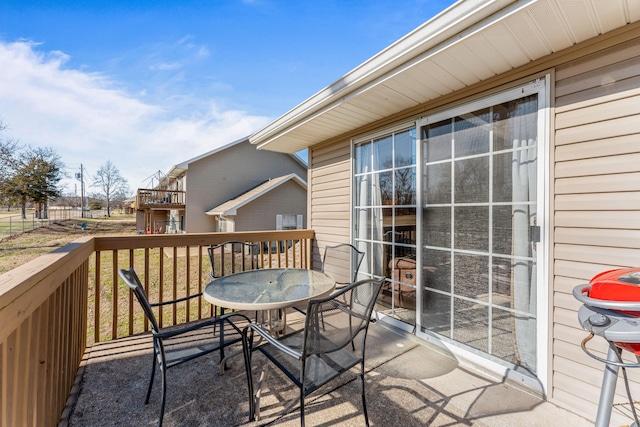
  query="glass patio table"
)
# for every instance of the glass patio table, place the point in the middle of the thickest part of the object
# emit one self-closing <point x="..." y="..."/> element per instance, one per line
<point x="269" y="289"/>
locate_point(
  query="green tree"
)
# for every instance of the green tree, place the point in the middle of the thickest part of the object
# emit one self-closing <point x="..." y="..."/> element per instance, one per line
<point x="110" y="182"/>
<point x="34" y="177"/>
<point x="28" y="174"/>
<point x="8" y="150"/>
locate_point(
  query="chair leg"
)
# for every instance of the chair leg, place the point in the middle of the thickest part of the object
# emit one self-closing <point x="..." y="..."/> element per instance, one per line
<point x="364" y="398"/>
<point x="153" y="373"/>
<point x="164" y="394"/>
<point x="246" y="350"/>
<point x="302" y="406"/>
<point x="221" y="341"/>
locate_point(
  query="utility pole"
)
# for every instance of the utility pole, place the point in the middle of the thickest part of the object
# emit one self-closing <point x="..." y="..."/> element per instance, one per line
<point x="80" y="176"/>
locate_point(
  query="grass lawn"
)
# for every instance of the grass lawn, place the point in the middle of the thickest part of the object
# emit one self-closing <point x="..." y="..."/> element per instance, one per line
<point x="21" y="248"/>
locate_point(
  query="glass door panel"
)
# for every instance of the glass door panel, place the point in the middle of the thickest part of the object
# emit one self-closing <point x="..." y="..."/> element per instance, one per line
<point x="479" y="207"/>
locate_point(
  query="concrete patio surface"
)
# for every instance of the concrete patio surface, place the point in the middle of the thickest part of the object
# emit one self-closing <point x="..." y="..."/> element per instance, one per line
<point x="408" y="383"/>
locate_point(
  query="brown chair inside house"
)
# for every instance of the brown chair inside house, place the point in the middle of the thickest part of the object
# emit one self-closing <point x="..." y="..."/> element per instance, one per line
<point x="404" y="278"/>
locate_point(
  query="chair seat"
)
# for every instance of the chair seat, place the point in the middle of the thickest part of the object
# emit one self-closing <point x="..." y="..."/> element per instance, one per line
<point x="319" y="369"/>
<point x="178" y="350"/>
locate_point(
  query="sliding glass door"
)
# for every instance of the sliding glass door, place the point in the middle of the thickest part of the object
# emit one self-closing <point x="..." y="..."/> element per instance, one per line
<point x="479" y="225"/>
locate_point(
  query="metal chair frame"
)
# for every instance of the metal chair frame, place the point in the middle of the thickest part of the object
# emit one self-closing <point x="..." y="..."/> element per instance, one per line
<point x="167" y="358"/>
<point x="316" y="355"/>
<point x="357" y="257"/>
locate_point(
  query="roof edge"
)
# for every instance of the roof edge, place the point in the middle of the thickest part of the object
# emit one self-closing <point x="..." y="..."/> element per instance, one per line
<point x="285" y="179"/>
<point x="453" y="20"/>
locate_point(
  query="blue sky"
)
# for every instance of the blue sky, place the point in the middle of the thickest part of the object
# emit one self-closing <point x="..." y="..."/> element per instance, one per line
<point x="149" y="84"/>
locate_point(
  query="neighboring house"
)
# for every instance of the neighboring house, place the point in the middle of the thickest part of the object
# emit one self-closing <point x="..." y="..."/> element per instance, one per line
<point x="183" y="199"/>
<point x="257" y="208"/>
<point x="491" y="156"/>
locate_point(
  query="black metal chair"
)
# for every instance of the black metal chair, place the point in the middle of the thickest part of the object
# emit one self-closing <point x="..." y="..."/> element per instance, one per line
<point x="168" y="354"/>
<point x="232" y="257"/>
<point x="320" y="353"/>
<point x="341" y="252"/>
<point x="336" y="255"/>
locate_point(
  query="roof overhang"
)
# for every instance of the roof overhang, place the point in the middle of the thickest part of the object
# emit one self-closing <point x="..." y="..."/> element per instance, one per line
<point x="471" y="41"/>
<point x="230" y="207"/>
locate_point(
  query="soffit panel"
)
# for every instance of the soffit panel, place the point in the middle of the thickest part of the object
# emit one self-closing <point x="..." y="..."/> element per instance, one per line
<point x="550" y="25"/>
<point x="420" y="78"/>
<point x="412" y="88"/>
<point x="461" y="67"/>
<point x="505" y="42"/>
<point x="493" y="57"/>
<point x="633" y="9"/>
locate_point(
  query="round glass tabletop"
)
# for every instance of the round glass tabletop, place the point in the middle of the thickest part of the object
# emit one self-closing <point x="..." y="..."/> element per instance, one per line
<point x="268" y="289"/>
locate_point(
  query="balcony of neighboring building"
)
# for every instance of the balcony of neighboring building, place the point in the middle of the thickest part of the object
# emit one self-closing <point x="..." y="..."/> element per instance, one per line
<point x="160" y="199"/>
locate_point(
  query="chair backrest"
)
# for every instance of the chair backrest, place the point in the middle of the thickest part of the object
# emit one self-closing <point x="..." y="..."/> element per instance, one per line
<point x="335" y="321"/>
<point x="131" y="278"/>
<point x="333" y="262"/>
<point x="233" y="257"/>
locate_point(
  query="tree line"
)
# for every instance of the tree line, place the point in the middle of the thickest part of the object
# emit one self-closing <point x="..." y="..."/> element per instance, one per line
<point x="32" y="176"/>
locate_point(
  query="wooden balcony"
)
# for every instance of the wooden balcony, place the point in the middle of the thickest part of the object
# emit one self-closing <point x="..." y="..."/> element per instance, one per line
<point x="160" y="199"/>
<point x="53" y="307"/>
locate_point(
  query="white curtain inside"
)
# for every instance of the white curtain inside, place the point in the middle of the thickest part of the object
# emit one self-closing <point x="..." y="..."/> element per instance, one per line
<point x="523" y="130"/>
<point x="370" y="226"/>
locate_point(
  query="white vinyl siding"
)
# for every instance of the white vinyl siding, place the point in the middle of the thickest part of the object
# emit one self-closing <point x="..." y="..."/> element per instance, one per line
<point x="597" y="206"/>
<point x="330" y="178"/>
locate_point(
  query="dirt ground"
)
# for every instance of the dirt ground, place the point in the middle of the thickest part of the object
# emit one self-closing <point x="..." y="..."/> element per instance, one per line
<point x="21" y="248"/>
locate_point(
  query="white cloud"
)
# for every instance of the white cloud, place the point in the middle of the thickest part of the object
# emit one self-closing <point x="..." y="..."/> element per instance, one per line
<point x="87" y="119"/>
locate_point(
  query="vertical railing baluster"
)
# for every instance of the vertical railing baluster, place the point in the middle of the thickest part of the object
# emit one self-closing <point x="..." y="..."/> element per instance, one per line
<point x="131" y="317"/>
<point x="200" y="247"/>
<point x="175" y="285"/>
<point x="97" y="299"/>
<point x="146" y="282"/>
<point x="160" y="286"/>
<point x="114" y="267"/>
<point x="188" y="281"/>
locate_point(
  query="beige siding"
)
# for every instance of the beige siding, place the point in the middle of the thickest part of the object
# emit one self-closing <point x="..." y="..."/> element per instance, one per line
<point x="597" y="205"/>
<point x="330" y="177"/>
<point x="228" y="173"/>
<point x="287" y="199"/>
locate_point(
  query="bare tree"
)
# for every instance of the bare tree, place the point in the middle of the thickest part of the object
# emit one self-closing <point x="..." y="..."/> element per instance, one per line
<point x="110" y="182"/>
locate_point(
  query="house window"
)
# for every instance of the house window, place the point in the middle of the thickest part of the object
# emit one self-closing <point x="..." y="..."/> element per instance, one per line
<point x="289" y="222"/>
<point x="385" y="217"/>
<point x="226" y="225"/>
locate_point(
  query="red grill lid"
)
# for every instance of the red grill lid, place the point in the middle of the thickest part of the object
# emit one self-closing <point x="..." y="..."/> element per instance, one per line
<point x="616" y="285"/>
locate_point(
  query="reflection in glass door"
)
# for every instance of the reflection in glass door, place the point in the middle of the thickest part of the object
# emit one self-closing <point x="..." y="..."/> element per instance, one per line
<point x="479" y="228"/>
<point x="385" y="218"/>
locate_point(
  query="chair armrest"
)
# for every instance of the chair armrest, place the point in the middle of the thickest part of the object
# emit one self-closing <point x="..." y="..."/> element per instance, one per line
<point x="178" y="331"/>
<point x="173" y="301"/>
<point x="274" y="341"/>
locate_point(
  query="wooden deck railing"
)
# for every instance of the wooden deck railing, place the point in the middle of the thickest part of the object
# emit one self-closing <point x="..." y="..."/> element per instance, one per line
<point x="150" y="198"/>
<point x="53" y="307"/>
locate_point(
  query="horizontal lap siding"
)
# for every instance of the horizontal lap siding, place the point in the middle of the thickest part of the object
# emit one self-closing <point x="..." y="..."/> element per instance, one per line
<point x="596" y="206"/>
<point x="330" y="189"/>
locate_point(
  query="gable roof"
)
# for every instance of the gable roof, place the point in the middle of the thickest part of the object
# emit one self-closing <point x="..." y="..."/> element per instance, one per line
<point x="471" y="41"/>
<point x="181" y="168"/>
<point x="231" y="207"/>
